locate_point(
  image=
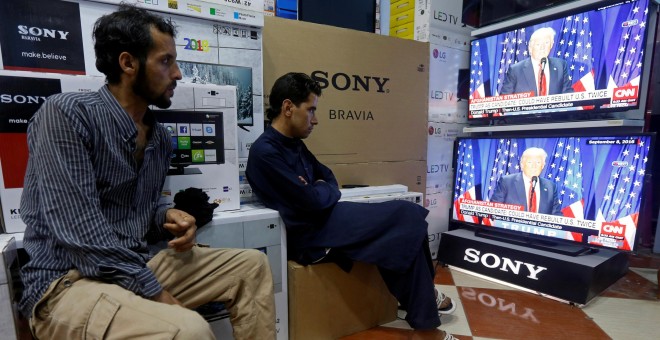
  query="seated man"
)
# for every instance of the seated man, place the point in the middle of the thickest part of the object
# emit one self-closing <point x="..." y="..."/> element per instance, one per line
<point x="95" y="173"/>
<point x="391" y="235"/>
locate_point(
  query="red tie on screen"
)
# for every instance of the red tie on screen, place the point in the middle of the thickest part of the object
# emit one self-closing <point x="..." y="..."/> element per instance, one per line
<point x="532" y="198"/>
<point x="542" y="85"/>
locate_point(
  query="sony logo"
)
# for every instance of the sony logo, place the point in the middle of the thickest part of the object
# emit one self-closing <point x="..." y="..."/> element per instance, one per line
<point x="21" y="99"/>
<point x="42" y="32"/>
<point x="342" y="82"/>
<point x="490" y="260"/>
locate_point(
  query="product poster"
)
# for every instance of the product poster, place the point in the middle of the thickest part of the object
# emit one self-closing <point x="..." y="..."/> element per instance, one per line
<point x="20" y="98"/>
<point x="41" y="36"/>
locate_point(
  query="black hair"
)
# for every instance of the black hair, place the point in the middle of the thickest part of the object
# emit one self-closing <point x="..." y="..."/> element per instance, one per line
<point x="126" y="30"/>
<point x="293" y="86"/>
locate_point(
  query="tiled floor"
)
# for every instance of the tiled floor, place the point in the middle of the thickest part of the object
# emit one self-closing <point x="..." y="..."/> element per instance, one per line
<point x="629" y="309"/>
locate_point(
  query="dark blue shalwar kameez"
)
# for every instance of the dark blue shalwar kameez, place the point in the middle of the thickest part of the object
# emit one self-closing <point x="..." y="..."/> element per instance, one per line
<point x="391" y="235"/>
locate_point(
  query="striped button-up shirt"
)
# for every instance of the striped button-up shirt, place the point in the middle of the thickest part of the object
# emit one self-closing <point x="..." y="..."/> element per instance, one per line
<point x="86" y="202"/>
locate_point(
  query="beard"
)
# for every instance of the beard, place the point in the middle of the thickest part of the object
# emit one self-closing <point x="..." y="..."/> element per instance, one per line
<point x="142" y="89"/>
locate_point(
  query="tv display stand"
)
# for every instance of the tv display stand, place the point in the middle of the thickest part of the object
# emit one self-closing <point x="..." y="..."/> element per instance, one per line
<point x="554" y="247"/>
<point x="574" y="279"/>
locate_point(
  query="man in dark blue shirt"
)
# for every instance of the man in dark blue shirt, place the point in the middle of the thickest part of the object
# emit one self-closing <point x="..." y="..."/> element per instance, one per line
<point x="287" y="177"/>
<point x="95" y="172"/>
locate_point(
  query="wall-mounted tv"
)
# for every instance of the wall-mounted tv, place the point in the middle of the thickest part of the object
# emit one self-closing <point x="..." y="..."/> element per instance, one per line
<point x="584" y="190"/>
<point x="239" y="76"/>
<point x="584" y="64"/>
<point x="197" y="138"/>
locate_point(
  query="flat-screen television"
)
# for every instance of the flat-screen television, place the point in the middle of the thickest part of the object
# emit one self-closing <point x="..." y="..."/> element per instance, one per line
<point x="492" y="11"/>
<point x="583" y="64"/>
<point x="239" y="76"/>
<point x="577" y="190"/>
<point x="354" y="14"/>
<point x="197" y="138"/>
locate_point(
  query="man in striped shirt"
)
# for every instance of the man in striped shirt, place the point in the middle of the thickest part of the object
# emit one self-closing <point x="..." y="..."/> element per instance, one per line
<point x="96" y="168"/>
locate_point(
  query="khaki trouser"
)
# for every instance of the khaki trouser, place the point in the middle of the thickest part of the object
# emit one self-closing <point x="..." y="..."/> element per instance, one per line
<point x="77" y="308"/>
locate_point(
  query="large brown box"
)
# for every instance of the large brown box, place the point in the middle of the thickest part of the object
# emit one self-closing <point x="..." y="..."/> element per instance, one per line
<point x="327" y="303"/>
<point x="374" y="106"/>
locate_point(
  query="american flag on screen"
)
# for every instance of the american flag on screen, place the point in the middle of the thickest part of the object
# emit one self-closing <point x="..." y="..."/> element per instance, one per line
<point x="467" y="169"/>
<point x="506" y="161"/>
<point x="477" y="74"/>
<point x="573" y="44"/>
<point x="625" y="58"/>
<point x="512" y="50"/>
<point x="621" y="200"/>
<point x="564" y="168"/>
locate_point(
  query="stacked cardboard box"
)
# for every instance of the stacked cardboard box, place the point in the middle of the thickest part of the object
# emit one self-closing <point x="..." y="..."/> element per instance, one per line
<point x="372" y="113"/>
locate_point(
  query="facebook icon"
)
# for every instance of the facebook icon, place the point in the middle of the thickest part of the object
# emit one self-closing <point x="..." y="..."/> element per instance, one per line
<point x="183" y="129"/>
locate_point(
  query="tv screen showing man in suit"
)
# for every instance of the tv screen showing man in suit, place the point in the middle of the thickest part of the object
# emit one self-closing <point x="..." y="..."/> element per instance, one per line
<point x="589" y="61"/>
<point x="540" y="73"/>
<point x="527" y="188"/>
<point x="581" y="188"/>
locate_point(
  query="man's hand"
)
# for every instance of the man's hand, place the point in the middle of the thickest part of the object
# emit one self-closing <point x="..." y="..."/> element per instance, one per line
<point x="165" y="297"/>
<point x="183" y="227"/>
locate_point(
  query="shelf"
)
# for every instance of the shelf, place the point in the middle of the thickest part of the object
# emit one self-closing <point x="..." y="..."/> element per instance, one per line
<point x="556" y="126"/>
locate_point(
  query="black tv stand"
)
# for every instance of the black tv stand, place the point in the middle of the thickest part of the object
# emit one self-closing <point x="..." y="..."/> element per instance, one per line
<point x="183" y="171"/>
<point x="555" y="247"/>
<point x="575" y="279"/>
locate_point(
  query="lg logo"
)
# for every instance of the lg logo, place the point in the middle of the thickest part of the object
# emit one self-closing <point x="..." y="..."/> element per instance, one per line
<point x="437" y="54"/>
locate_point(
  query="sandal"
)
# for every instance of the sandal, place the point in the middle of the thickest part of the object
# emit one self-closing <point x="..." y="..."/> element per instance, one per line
<point x="445" y="304"/>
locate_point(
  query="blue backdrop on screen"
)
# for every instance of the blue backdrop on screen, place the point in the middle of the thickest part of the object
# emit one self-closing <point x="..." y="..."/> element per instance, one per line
<point x="41" y="36"/>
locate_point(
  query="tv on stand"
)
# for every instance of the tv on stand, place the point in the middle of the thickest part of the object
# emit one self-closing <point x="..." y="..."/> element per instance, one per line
<point x="570" y="194"/>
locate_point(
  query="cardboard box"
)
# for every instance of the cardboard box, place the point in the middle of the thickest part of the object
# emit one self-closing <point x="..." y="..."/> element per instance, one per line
<point x="430" y="16"/>
<point x="8" y="312"/>
<point x="438" y="204"/>
<point x="374" y="105"/>
<point x="327" y="303"/>
<point x="23" y="94"/>
<point x="409" y="173"/>
<point x="219" y="181"/>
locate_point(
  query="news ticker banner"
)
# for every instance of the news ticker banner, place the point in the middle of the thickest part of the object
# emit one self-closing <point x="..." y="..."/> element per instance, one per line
<point x="613" y="234"/>
<point x="527" y="102"/>
<point x="245" y="12"/>
<point x="41" y="36"/>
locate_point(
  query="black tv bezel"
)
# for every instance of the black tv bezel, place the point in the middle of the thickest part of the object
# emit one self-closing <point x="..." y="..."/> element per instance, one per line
<point x="547" y="4"/>
<point x="634" y="112"/>
<point x="535" y="240"/>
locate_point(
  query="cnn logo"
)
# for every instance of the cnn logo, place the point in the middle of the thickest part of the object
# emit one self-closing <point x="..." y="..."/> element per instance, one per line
<point x="625" y="93"/>
<point x="613" y="230"/>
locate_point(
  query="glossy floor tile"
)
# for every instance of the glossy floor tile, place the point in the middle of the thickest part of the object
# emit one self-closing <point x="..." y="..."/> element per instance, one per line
<point x="629" y="309"/>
